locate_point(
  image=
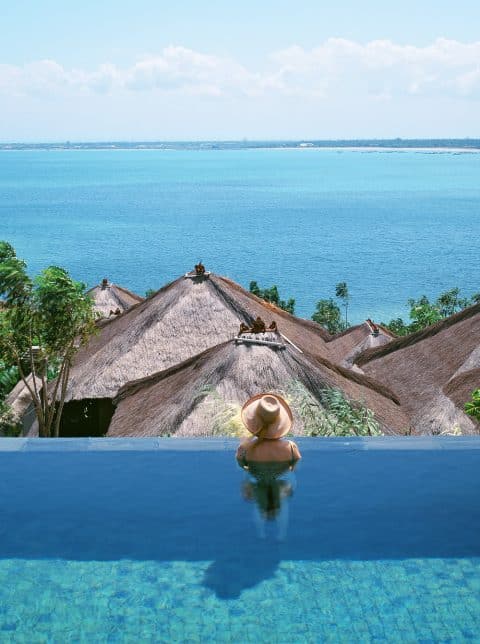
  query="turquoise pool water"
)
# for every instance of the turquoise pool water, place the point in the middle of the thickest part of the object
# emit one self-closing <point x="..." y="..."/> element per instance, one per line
<point x="126" y="541"/>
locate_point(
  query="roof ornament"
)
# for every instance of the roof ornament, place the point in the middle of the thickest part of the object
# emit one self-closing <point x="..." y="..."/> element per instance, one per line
<point x="246" y="334"/>
<point x="375" y="329"/>
<point x="199" y="271"/>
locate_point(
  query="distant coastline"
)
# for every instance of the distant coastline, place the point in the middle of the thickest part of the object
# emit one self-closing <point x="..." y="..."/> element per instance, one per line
<point x="360" y="145"/>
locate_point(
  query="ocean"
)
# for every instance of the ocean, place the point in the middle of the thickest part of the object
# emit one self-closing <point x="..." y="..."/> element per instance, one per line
<point x="392" y="224"/>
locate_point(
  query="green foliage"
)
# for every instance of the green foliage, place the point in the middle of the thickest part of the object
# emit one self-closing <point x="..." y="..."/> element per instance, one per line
<point x="335" y="416"/>
<point x="450" y="302"/>
<point x="51" y="313"/>
<point x="149" y="292"/>
<point x="341" y="291"/>
<point x="6" y="251"/>
<point x="398" y="326"/>
<point x="472" y="408"/>
<point x="328" y="314"/>
<point x="272" y="295"/>
<point x="423" y="312"/>
<point x="8" y="424"/>
<point x="9" y="376"/>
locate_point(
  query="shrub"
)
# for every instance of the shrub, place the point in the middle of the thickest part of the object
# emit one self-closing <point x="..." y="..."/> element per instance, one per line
<point x="472" y="408"/>
<point x="335" y="416"/>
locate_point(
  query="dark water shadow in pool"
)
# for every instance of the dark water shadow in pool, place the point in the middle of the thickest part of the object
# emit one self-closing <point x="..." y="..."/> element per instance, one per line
<point x="185" y="505"/>
<point x="233" y="572"/>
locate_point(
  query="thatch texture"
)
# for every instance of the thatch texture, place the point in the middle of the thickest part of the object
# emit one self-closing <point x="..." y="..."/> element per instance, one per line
<point x="181" y="320"/>
<point x="110" y="299"/>
<point x="422" y="368"/>
<point x="349" y="344"/>
<point x="459" y="389"/>
<point x="204" y="395"/>
<point x="20" y="400"/>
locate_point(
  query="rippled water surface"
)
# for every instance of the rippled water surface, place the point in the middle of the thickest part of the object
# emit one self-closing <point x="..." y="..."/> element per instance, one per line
<point x="129" y="541"/>
<point x="394" y="225"/>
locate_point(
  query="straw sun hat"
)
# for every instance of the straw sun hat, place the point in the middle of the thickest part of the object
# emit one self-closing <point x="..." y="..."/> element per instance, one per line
<point x="267" y="414"/>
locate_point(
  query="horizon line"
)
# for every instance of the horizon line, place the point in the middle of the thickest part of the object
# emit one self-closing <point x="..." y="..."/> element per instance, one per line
<point x="398" y="141"/>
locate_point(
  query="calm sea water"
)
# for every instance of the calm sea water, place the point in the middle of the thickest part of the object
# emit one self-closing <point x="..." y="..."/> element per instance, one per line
<point x="393" y="225"/>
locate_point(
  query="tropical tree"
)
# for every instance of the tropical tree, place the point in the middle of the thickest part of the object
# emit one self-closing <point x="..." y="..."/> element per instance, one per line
<point x="423" y="312"/>
<point x="328" y="314"/>
<point x="341" y="291"/>
<point x="43" y="322"/>
<point x="398" y="326"/>
<point x="272" y="295"/>
<point x="472" y="408"/>
<point x="450" y="302"/>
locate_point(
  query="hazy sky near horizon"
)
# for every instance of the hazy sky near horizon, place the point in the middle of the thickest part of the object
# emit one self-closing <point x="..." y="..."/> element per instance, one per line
<point x="264" y="69"/>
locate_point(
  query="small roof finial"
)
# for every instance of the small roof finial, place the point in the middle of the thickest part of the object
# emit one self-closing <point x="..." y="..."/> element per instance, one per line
<point x="199" y="268"/>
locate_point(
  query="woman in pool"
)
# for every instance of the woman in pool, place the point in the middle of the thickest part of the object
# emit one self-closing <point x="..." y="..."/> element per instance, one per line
<point x="268" y="459"/>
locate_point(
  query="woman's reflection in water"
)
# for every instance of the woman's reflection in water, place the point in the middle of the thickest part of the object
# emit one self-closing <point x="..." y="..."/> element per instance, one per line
<point x="268" y="460"/>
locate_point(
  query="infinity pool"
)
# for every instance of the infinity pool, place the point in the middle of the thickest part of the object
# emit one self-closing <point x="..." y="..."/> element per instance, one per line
<point x="111" y="540"/>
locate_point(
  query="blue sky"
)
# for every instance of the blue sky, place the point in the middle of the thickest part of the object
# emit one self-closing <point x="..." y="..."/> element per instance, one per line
<point x="266" y="69"/>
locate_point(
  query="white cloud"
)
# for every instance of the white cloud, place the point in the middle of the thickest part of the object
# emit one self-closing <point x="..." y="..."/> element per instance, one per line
<point x="338" y="65"/>
<point x="336" y="68"/>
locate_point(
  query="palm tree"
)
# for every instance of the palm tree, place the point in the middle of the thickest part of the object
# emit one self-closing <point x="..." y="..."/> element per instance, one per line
<point x="341" y="291"/>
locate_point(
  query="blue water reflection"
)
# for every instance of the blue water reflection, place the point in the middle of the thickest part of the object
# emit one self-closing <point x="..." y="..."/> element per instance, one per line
<point x="132" y="541"/>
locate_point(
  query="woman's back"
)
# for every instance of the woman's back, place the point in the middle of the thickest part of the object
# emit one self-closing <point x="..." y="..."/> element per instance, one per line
<point x="267" y="451"/>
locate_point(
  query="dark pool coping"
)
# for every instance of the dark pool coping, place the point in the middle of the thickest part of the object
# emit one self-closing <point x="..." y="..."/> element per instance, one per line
<point x="385" y="443"/>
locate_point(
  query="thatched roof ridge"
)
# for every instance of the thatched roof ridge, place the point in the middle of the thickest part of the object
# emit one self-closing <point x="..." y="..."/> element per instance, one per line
<point x="460" y="387"/>
<point x="108" y="298"/>
<point x="128" y="293"/>
<point x="360" y="379"/>
<point x="19" y="399"/>
<point x="308" y="324"/>
<point x="413" y="338"/>
<point x="346" y="332"/>
<point x="171" y="401"/>
<point x="359" y="327"/>
<point x="347" y="345"/>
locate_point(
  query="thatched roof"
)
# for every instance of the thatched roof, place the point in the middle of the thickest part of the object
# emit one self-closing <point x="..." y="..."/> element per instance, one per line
<point x="20" y="400"/>
<point x="203" y="395"/>
<point x="459" y="389"/>
<point x="110" y="299"/>
<point x="349" y="344"/>
<point x="181" y="320"/>
<point x="422" y="369"/>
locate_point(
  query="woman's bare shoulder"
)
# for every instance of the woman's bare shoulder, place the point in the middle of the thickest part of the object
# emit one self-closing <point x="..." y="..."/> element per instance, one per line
<point x="243" y="447"/>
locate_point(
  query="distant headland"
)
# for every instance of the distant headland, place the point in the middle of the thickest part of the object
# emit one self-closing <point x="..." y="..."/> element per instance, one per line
<point x="434" y="145"/>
